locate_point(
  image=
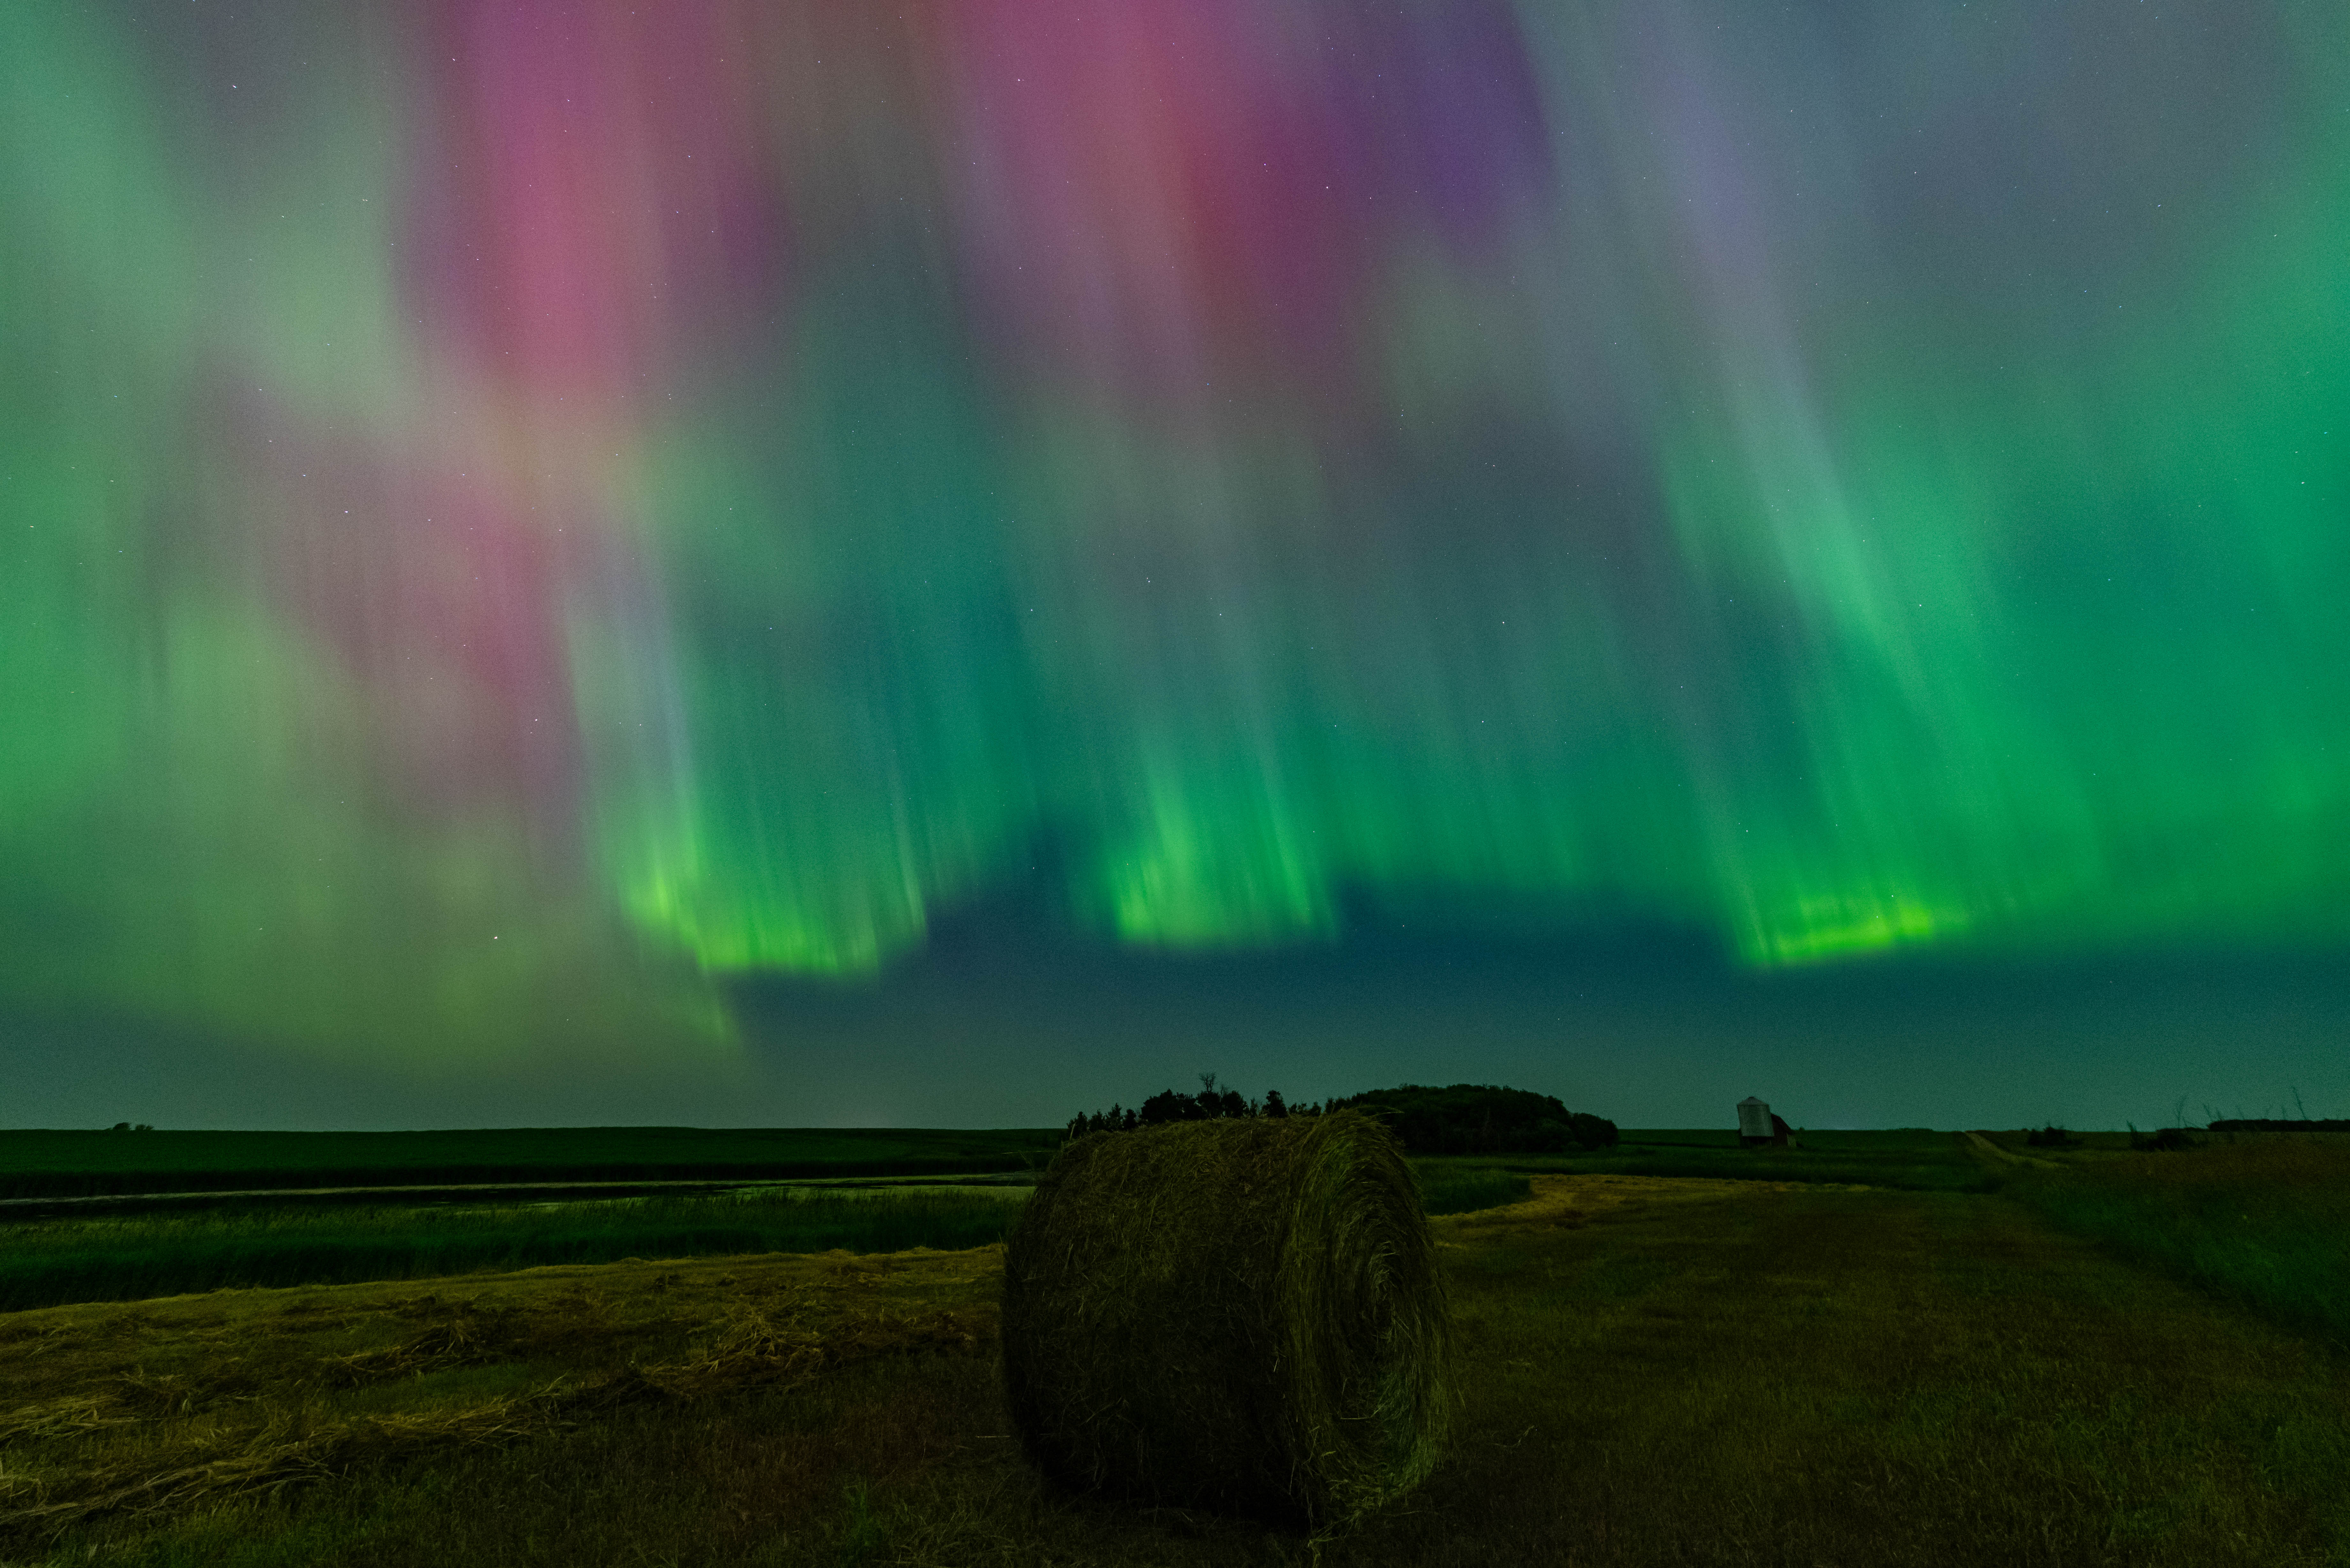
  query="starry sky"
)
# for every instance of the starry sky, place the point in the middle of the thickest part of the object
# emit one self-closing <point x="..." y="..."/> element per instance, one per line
<point x="736" y="561"/>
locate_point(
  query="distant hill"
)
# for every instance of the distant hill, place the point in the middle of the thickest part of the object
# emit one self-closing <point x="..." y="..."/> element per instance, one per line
<point x="1481" y="1118"/>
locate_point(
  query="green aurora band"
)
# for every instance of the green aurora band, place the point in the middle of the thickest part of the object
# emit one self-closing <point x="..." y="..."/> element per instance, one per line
<point x="512" y="513"/>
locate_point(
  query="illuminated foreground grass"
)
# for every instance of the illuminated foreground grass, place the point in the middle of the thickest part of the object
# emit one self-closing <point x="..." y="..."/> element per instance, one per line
<point x="1653" y="1372"/>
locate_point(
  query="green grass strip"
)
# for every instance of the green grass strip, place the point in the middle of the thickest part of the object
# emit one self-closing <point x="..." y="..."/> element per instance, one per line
<point x="1466" y="1191"/>
<point x="2262" y="1223"/>
<point x="54" y="1262"/>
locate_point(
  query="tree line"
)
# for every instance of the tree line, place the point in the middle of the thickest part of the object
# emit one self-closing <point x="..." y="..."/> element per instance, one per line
<point x="1463" y="1118"/>
<point x="1210" y="1104"/>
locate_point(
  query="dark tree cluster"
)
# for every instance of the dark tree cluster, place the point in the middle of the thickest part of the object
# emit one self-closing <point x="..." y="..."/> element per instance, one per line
<point x="1466" y="1119"/>
<point x="2050" y="1137"/>
<point x="1210" y="1104"/>
<point x="2278" y="1124"/>
<point x="1482" y="1118"/>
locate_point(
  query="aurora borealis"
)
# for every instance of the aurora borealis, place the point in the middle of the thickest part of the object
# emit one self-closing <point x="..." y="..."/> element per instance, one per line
<point x="520" y="519"/>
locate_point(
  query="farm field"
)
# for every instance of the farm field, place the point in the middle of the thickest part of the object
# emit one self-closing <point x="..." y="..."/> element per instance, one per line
<point x="125" y="1257"/>
<point x="1653" y="1370"/>
<point x="2262" y="1218"/>
<point x="56" y="1164"/>
<point x="1917" y="1158"/>
<point x="52" y="1261"/>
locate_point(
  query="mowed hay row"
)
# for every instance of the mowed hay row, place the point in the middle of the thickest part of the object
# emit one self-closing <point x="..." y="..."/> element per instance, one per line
<point x="1242" y="1316"/>
<point x="146" y="1412"/>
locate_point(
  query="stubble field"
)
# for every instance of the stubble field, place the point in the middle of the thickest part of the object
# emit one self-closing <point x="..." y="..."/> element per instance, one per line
<point x="1654" y="1369"/>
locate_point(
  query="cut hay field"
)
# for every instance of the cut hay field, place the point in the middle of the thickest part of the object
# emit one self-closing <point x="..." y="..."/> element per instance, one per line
<point x="1653" y="1370"/>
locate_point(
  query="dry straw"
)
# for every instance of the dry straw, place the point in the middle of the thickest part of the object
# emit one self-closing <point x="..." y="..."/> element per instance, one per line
<point x="1237" y="1316"/>
<point x="751" y="1347"/>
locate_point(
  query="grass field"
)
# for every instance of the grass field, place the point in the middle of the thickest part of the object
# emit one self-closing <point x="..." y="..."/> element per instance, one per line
<point x="2263" y="1219"/>
<point x="47" y="1263"/>
<point x="1653" y="1371"/>
<point x="49" y="1164"/>
<point x="1454" y="1191"/>
<point x="78" y="1164"/>
<point x="1914" y="1159"/>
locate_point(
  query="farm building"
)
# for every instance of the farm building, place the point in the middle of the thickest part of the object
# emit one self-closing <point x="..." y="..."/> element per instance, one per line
<point x="1757" y="1126"/>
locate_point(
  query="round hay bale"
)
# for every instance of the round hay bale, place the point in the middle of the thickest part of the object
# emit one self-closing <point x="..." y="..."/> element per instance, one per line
<point x="1240" y="1315"/>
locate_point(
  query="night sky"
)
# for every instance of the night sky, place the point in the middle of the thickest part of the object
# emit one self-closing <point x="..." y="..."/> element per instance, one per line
<point x="767" y="561"/>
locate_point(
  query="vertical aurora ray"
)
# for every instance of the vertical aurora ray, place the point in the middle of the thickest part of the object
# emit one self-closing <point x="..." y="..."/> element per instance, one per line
<point x="514" y="511"/>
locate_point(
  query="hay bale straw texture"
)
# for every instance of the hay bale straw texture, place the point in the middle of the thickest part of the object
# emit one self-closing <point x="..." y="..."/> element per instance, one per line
<point x="1242" y="1316"/>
